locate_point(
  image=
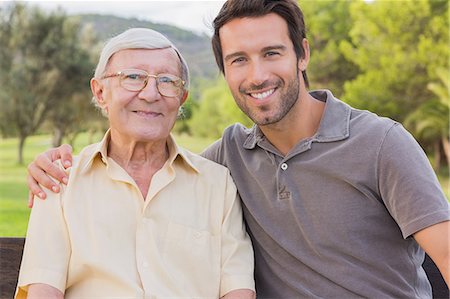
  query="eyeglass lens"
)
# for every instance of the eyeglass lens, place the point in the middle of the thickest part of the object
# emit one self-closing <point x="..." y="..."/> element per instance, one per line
<point x="135" y="80"/>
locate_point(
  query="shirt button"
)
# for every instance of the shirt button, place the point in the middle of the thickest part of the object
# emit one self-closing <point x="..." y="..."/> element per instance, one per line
<point x="145" y="264"/>
<point x="197" y="235"/>
<point x="284" y="166"/>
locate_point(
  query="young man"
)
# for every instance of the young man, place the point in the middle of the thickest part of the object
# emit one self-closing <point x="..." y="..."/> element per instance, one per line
<point x="338" y="202"/>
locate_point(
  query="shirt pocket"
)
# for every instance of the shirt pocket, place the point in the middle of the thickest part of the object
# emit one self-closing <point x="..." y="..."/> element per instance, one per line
<point x="192" y="257"/>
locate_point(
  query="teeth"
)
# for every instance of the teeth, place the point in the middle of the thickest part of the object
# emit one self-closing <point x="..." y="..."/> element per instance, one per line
<point x="262" y="95"/>
<point x="142" y="113"/>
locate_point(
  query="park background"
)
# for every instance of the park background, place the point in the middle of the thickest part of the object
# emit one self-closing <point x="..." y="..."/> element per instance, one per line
<point x="389" y="57"/>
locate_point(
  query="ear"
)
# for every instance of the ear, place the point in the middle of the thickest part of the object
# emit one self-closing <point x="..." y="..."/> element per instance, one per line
<point x="97" y="88"/>
<point x="184" y="97"/>
<point x="303" y="62"/>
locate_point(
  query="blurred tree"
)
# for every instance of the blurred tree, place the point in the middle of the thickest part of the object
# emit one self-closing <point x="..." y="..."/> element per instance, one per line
<point x="430" y="121"/>
<point x="328" y="24"/>
<point x="397" y="45"/>
<point x="73" y="112"/>
<point x="216" y="111"/>
<point x="38" y="67"/>
<point x="182" y="124"/>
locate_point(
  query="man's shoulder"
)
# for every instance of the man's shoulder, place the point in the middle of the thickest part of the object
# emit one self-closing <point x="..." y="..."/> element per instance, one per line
<point x="237" y="131"/>
<point x="370" y="122"/>
<point x="232" y="140"/>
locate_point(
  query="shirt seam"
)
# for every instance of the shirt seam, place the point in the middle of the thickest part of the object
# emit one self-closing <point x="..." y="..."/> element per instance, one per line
<point x="379" y="154"/>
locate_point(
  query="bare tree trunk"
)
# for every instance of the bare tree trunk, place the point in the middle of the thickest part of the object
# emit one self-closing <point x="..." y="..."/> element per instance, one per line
<point x="20" y="153"/>
<point x="58" y="135"/>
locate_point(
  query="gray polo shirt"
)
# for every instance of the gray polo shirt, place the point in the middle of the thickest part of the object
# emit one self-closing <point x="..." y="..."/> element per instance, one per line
<point x="334" y="217"/>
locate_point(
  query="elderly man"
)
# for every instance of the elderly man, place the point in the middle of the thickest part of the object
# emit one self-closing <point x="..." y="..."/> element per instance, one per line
<point x="140" y="217"/>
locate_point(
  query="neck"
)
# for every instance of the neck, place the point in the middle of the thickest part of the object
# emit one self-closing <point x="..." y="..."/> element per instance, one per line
<point x="301" y="122"/>
<point x="141" y="160"/>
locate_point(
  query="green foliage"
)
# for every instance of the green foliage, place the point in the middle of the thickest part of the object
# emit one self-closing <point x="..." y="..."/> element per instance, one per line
<point x="397" y="45"/>
<point x="43" y="65"/>
<point x="328" y="24"/>
<point x="74" y="112"/>
<point x="430" y="121"/>
<point x="216" y="111"/>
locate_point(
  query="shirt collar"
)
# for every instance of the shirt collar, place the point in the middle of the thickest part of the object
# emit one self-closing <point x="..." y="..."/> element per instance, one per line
<point x="334" y="125"/>
<point x="100" y="151"/>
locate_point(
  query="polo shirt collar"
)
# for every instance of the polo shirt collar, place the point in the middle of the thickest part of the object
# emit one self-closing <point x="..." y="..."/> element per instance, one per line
<point x="334" y="125"/>
<point x="100" y="150"/>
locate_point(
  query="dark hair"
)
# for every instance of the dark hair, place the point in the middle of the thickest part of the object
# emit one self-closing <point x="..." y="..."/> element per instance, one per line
<point x="287" y="9"/>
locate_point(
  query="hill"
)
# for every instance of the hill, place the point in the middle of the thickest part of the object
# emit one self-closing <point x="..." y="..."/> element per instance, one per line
<point x="195" y="48"/>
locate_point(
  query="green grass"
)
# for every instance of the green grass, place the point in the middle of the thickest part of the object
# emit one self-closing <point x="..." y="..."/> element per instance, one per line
<point x="14" y="211"/>
<point x="14" y="193"/>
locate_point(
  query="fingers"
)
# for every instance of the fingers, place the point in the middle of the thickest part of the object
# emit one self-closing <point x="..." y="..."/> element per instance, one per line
<point x="42" y="169"/>
<point x="30" y="199"/>
<point x="34" y="189"/>
<point x="38" y="173"/>
<point x="64" y="152"/>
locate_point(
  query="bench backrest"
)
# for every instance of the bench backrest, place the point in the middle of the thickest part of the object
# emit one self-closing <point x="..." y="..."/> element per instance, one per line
<point x="11" y="255"/>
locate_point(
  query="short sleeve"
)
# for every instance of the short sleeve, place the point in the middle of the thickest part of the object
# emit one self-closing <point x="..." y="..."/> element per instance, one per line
<point x="237" y="253"/>
<point x="407" y="183"/>
<point x="47" y="247"/>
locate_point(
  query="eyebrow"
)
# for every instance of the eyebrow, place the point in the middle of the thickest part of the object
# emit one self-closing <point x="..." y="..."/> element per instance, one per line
<point x="265" y="49"/>
<point x="275" y="47"/>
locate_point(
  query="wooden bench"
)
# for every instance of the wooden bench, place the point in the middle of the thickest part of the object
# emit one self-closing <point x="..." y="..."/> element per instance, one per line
<point x="11" y="250"/>
<point x="11" y="254"/>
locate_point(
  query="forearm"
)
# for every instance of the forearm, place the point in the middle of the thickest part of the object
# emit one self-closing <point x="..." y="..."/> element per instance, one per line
<point x="444" y="267"/>
<point x="240" y="294"/>
<point x="435" y="241"/>
<point x="40" y="290"/>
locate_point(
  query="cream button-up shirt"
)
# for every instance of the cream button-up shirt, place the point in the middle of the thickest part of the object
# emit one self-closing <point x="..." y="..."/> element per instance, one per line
<point x="99" y="238"/>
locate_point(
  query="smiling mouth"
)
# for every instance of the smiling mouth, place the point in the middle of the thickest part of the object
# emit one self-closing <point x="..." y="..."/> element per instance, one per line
<point x="146" y="113"/>
<point x="262" y="95"/>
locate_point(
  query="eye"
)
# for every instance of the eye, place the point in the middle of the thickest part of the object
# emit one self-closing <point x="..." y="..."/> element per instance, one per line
<point x="272" y="53"/>
<point x="134" y="76"/>
<point x="166" y="79"/>
<point x="238" y="60"/>
<point x="169" y="79"/>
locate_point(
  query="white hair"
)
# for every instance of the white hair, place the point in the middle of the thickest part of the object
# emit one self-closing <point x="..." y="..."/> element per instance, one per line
<point x="137" y="38"/>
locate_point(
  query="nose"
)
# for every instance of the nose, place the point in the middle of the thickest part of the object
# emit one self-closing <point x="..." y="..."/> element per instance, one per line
<point x="258" y="73"/>
<point x="150" y="91"/>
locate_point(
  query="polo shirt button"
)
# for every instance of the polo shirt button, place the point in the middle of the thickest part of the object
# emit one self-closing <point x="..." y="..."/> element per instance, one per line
<point x="284" y="166"/>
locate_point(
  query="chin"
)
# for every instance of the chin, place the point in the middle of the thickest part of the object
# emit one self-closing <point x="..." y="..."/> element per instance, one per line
<point x="152" y="136"/>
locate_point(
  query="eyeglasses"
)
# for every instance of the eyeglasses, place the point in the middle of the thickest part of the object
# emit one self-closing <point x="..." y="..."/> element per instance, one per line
<point x="135" y="80"/>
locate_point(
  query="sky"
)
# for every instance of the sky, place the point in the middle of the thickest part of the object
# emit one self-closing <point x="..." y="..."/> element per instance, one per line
<point x="193" y="15"/>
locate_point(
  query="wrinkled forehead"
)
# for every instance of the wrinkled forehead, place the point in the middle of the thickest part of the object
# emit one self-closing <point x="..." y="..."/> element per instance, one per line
<point x="164" y="59"/>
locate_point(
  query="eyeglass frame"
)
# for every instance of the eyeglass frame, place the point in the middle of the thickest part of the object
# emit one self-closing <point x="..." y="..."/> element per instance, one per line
<point x="120" y="73"/>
